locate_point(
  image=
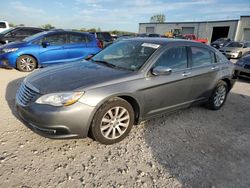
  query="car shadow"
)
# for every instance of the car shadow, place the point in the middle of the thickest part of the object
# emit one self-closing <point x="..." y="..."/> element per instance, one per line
<point x="204" y="148"/>
<point x="244" y="80"/>
<point x="10" y="95"/>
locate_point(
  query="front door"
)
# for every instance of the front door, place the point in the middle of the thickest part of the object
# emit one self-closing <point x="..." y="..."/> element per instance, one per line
<point x="54" y="52"/>
<point x="168" y="92"/>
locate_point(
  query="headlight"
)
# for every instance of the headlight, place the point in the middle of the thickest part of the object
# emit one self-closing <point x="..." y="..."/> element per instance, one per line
<point x="7" y="50"/>
<point x="60" y="99"/>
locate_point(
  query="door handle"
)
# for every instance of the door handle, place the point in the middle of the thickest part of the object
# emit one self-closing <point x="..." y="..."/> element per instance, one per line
<point x="186" y="74"/>
<point x="215" y="68"/>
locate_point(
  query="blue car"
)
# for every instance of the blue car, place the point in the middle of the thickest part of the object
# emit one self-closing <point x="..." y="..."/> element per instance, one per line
<point x="48" y="48"/>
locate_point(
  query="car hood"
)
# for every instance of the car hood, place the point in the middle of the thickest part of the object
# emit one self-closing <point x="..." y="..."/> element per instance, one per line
<point x="18" y="44"/>
<point x="73" y="76"/>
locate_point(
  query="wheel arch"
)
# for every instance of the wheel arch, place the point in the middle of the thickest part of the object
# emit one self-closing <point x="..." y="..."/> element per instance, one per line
<point x="134" y="103"/>
<point x="228" y="82"/>
<point x="128" y="98"/>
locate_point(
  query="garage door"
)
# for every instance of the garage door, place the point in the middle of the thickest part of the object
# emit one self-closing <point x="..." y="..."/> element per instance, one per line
<point x="150" y="30"/>
<point x="187" y="30"/>
<point x="246" y="35"/>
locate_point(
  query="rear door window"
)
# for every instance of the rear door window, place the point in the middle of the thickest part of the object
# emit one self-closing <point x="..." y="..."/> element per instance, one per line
<point x="201" y="57"/>
<point x="76" y="39"/>
<point x="174" y="58"/>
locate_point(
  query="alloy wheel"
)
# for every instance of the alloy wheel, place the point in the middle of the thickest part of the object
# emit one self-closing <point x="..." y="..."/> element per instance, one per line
<point x="27" y="64"/>
<point x="115" y="122"/>
<point x="220" y="96"/>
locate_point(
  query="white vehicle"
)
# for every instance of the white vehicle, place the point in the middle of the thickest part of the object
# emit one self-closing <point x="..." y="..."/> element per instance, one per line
<point x="4" y="26"/>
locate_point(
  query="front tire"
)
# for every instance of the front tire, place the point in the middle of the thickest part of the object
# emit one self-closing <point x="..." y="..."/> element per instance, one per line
<point x="112" y="121"/>
<point x="219" y="96"/>
<point x="26" y="63"/>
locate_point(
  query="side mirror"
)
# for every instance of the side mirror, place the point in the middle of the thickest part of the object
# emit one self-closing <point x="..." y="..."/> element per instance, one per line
<point x="161" y="70"/>
<point x="45" y="44"/>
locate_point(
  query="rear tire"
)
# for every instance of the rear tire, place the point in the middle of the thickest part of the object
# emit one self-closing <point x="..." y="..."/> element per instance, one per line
<point x="218" y="97"/>
<point x="26" y="63"/>
<point x="112" y="122"/>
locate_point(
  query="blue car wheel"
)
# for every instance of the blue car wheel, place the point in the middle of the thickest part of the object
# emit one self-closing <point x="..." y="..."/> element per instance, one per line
<point x="26" y="63"/>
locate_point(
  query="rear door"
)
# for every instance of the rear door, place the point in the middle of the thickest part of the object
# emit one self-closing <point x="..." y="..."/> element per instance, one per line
<point x="205" y="72"/>
<point x="168" y="92"/>
<point x="76" y="47"/>
<point x="54" y="52"/>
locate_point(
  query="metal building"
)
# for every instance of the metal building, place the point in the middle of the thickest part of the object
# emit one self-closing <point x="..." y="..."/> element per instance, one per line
<point x="238" y="30"/>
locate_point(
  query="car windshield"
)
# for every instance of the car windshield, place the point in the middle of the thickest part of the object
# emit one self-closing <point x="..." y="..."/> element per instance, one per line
<point x="126" y="54"/>
<point x="235" y="44"/>
<point x="32" y="37"/>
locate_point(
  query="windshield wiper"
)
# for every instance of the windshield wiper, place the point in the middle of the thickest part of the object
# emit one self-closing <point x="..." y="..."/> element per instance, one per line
<point x="105" y="63"/>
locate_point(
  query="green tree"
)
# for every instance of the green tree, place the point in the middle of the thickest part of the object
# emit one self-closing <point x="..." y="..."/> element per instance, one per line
<point x="83" y="29"/>
<point x="48" y="26"/>
<point x="91" y="30"/>
<point x="158" y="18"/>
<point x="12" y="25"/>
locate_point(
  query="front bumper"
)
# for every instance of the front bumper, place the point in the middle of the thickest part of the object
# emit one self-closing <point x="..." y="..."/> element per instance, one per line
<point x="8" y="60"/>
<point x="57" y="122"/>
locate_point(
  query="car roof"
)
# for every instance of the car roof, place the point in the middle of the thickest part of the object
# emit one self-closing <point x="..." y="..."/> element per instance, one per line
<point x="65" y="31"/>
<point x="25" y="27"/>
<point x="162" y="41"/>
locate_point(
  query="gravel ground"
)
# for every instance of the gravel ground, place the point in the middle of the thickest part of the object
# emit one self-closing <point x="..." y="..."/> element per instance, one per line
<point x="195" y="147"/>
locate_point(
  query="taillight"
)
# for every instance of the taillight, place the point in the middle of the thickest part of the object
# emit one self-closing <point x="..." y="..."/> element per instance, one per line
<point x="99" y="43"/>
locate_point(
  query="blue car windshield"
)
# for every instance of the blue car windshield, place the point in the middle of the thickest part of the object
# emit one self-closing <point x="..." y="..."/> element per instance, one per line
<point x="126" y="54"/>
<point x="32" y="37"/>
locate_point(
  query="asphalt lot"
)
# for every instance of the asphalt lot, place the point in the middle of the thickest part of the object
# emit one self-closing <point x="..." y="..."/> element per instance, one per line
<point x="195" y="147"/>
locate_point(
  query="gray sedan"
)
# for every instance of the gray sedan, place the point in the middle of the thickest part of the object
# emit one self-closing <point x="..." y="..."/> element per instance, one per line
<point x="128" y="82"/>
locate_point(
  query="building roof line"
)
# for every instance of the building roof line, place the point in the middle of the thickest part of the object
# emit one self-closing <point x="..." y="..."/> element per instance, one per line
<point x="191" y="22"/>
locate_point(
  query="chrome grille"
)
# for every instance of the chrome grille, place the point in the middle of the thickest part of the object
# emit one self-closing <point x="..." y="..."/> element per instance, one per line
<point x="25" y="95"/>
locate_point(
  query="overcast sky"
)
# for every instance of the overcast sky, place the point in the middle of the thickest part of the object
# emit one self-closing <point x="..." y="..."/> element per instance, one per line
<point x="116" y="14"/>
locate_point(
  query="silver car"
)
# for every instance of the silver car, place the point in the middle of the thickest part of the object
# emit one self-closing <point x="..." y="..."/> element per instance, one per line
<point x="128" y="82"/>
<point x="236" y="49"/>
